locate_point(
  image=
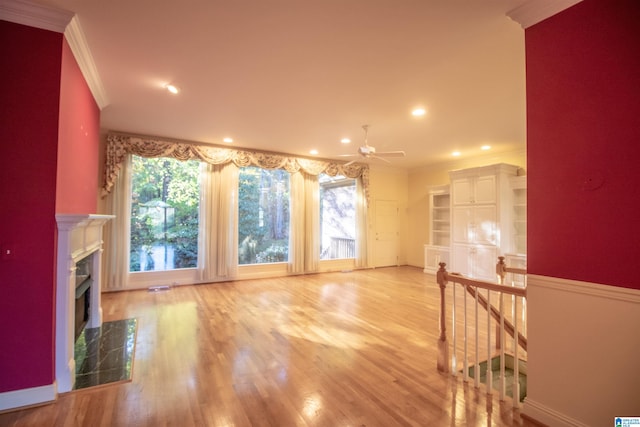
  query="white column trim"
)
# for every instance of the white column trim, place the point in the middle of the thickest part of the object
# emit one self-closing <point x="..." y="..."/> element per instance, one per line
<point x="534" y="11"/>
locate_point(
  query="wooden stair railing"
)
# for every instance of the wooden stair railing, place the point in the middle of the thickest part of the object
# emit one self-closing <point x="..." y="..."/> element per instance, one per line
<point x="445" y="363"/>
<point x="495" y="313"/>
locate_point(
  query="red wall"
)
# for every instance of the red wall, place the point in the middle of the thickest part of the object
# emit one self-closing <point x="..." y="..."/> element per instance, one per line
<point x="78" y="138"/>
<point x="49" y="139"/>
<point x="29" y="99"/>
<point x="583" y="138"/>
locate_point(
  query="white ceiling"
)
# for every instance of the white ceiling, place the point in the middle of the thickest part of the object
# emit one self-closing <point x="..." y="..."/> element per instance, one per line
<point x="294" y="75"/>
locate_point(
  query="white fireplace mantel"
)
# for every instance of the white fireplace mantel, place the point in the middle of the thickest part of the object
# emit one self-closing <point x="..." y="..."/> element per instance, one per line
<point x="79" y="236"/>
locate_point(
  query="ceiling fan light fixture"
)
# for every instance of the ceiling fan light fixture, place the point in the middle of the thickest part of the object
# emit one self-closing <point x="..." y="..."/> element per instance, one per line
<point x="367" y="151"/>
<point x="172" y="88"/>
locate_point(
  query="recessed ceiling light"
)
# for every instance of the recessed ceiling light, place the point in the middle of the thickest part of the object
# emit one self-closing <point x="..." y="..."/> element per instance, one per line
<point x="227" y="140"/>
<point x="455" y="153"/>
<point x="314" y="152"/>
<point x="418" y="112"/>
<point x="171" y="88"/>
<point x="345" y="140"/>
<point x="486" y="147"/>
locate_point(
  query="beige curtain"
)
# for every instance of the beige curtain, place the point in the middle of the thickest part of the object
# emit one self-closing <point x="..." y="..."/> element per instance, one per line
<point x="362" y="227"/>
<point x="116" y="255"/>
<point x="121" y="145"/>
<point x="304" y="235"/>
<point x="218" y="234"/>
<point x="218" y="238"/>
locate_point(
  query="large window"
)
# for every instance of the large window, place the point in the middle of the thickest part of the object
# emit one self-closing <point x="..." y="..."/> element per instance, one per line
<point x="263" y="216"/>
<point x="164" y="214"/>
<point x="337" y="217"/>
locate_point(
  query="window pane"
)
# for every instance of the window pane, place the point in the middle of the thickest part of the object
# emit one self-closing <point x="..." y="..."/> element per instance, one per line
<point x="263" y="216"/>
<point x="165" y="198"/>
<point x="337" y="217"/>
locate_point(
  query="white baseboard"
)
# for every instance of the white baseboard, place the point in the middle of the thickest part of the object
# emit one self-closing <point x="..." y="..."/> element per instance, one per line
<point x="548" y="416"/>
<point x="28" y="397"/>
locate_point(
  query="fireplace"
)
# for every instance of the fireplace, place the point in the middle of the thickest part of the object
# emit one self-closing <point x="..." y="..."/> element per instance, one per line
<point x="84" y="280"/>
<point x="78" y="287"/>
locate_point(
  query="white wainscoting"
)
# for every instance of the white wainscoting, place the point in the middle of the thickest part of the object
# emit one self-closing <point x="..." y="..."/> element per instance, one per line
<point x="584" y="352"/>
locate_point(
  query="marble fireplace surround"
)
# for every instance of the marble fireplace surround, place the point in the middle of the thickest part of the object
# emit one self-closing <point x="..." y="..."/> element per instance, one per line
<point x="79" y="236"/>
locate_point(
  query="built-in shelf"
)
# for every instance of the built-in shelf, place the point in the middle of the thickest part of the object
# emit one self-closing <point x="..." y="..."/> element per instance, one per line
<point x="439" y="228"/>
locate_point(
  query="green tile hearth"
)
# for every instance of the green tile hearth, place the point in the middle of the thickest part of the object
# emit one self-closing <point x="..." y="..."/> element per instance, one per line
<point x="105" y="355"/>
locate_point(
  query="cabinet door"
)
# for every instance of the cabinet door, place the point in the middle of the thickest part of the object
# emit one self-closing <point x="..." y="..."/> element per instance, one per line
<point x="475" y="224"/>
<point x="485" y="225"/>
<point x="485" y="189"/>
<point x="462" y="190"/>
<point x="476" y="189"/>
<point x="462" y="224"/>
<point x="484" y="263"/>
<point x="462" y="261"/>
<point x="475" y="261"/>
<point x="433" y="256"/>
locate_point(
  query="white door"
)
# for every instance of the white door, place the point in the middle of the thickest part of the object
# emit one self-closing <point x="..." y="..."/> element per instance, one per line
<point x="386" y="233"/>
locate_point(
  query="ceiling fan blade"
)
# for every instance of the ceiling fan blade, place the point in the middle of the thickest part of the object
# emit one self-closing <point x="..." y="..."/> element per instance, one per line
<point x="375" y="156"/>
<point x="391" y="153"/>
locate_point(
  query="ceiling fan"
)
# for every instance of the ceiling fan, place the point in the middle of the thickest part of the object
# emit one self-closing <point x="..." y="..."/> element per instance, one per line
<point x="367" y="151"/>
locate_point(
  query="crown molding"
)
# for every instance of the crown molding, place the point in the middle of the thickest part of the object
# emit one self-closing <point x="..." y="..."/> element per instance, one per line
<point x="80" y="48"/>
<point x="35" y="15"/>
<point x="534" y="11"/>
<point x="60" y="21"/>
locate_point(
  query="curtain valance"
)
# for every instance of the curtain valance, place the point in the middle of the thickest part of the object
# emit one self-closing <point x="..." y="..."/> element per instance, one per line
<point x="119" y="145"/>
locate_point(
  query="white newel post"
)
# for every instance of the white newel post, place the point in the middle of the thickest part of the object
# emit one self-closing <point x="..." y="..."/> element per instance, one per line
<point x="79" y="236"/>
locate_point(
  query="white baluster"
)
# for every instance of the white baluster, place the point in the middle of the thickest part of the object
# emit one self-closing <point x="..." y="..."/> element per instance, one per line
<point x="466" y="354"/>
<point x="476" y="368"/>
<point x="489" y="376"/>
<point x="524" y="317"/>
<point x="454" y="364"/>
<point x="516" y="363"/>
<point x="502" y="346"/>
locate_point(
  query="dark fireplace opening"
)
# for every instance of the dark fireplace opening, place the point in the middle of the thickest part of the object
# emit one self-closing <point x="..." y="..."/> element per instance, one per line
<point x="83" y="295"/>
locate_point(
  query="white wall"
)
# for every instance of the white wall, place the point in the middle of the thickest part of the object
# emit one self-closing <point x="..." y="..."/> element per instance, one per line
<point x="391" y="184"/>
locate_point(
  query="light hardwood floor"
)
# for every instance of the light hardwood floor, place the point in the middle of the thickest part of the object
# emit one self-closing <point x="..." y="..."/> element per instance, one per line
<point x="335" y="349"/>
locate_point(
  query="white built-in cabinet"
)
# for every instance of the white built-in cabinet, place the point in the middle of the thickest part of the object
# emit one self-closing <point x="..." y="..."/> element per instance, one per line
<point x="518" y="257"/>
<point x="437" y="250"/>
<point x="482" y="219"/>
